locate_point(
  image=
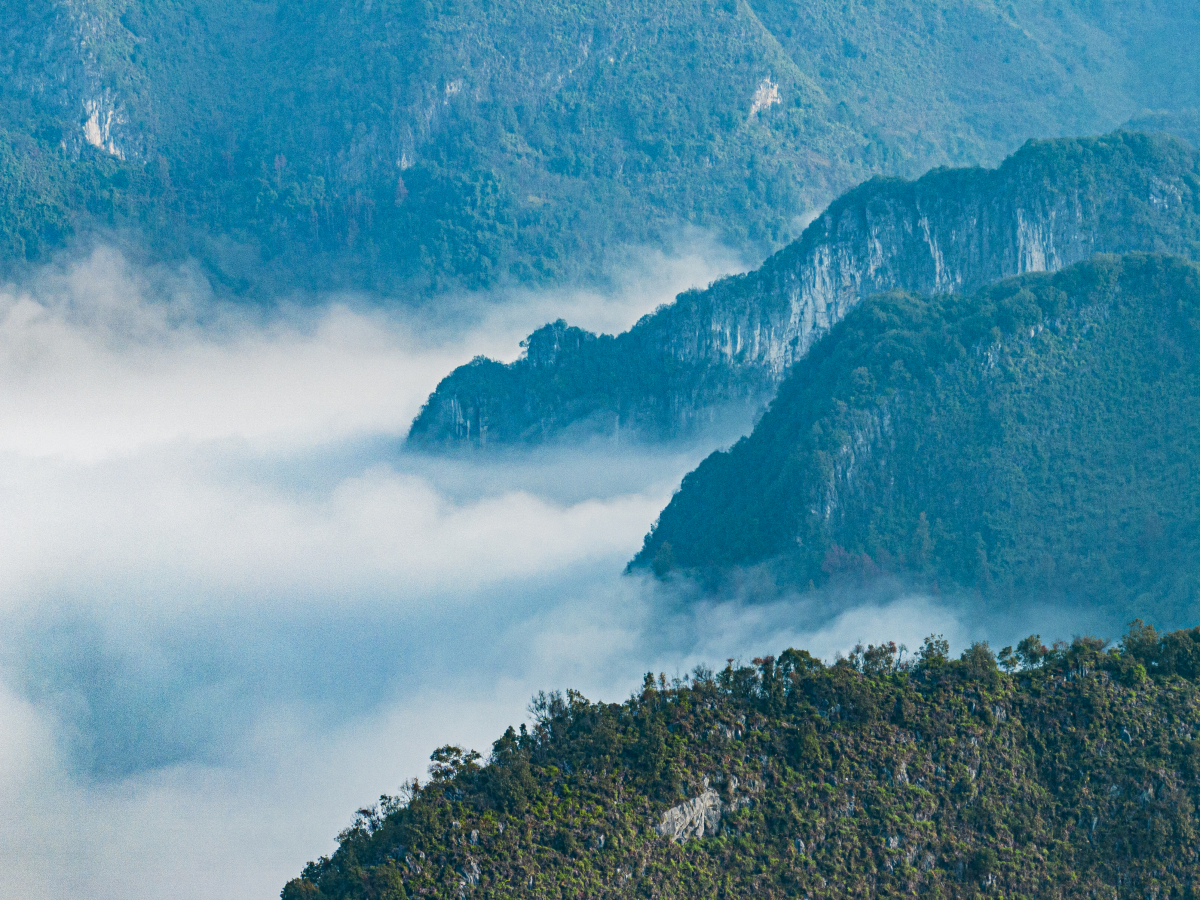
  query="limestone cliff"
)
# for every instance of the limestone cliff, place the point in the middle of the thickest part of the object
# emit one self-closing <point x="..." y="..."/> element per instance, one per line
<point x="71" y="62"/>
<point x="1052" y="204"/>
<point x="1035" y="439"/>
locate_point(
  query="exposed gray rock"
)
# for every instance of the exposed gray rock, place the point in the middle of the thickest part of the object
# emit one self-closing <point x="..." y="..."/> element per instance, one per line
<point x="470" y="876"/>
<point x="693" y="818"/>
<point x="1052" y="204"/>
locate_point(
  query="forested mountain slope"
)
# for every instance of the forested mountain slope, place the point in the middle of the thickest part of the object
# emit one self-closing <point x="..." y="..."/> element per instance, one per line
<point x="1051" y="204"/>
<point x="1038" y="438"/>
<point x="1075" y="776"/>
<point x="466" y="142"/>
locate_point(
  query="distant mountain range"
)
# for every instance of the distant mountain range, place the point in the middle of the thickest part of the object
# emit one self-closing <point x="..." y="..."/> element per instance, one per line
<point x="418" y="146"/>
<point x="1073" y="775"/>
<point x="1051" y="204"/>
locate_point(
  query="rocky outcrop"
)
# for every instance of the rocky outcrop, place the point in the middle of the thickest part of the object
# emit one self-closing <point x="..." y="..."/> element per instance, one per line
<point x="74" y="61"/>
<point x="702" y="814"/>
<point x="693" y="818"/>
<point x="1052" y="204"/>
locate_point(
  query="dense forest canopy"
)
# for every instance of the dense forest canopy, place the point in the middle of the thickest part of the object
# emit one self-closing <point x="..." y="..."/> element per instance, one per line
<point x="225" y="568"/>
<point x="466" y="142"/>
<point x="1068" y="771"/>
<point x="1034" y="439"/>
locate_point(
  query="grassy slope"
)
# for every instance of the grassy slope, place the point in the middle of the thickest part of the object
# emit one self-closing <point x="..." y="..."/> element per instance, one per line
<point x="1074" y="778"/>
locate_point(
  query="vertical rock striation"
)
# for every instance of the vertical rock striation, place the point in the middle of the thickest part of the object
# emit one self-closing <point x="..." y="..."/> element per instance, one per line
<point x="693" y="818"/>
<point x="1036" y="439"/>
<point x="1051" y="204"/>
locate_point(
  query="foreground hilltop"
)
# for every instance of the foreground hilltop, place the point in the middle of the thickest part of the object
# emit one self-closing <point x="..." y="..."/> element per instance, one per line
<point x="1037" y="438"/>
<point x="1075" y="773"/>
<point x="1052" y="204"/>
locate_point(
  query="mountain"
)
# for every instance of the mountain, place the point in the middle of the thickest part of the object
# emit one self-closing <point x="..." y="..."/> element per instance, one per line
<point x="1051" y="204"/>
<point x="409" y="145"/>
<point x="1073" y="776"/>
<point x="1036" y="439"/>
<point x="1183" y="123"/>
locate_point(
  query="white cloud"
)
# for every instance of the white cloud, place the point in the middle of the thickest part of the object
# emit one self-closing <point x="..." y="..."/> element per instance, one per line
<point x="234" y="611"/>
<point x="167" y="528"/>
<point x="99" y="357"/>
<point x="240" y="826"/>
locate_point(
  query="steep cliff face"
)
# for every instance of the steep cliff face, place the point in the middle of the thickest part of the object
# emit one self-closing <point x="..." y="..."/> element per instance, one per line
<point x="70" y="64"/>
<point x="1037" y="438"/>
<point x="1050" y="205"/>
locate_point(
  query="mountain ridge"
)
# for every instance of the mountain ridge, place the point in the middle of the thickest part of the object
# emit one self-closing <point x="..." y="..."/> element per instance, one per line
<point x="1070" y="774"/>
<point x="470" y="145"/>
<point x="1035" y="438"/>
<point x="1051" y="204"/>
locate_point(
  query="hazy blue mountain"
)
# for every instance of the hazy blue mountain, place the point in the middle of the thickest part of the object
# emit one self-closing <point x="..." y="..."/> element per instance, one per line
<point x="1073" y="777"/>
<point x="1183" y="123"/>
<point x="396" y="142"/>
<point x="1037" y="438"/>
<point x="1051" y="204"/>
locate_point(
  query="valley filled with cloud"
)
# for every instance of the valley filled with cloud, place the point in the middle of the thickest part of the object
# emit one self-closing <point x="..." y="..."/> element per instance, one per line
<point x="232" y="598"/>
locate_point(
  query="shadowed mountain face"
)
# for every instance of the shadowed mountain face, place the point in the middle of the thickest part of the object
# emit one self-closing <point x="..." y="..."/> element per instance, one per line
<point x="394" y="143"/>
<point x="1034" y="439"/>
<point x="1052" y="204"/>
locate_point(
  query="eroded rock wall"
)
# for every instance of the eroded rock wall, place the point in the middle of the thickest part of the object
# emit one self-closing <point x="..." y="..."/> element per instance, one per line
<point x="1052" y="204"/>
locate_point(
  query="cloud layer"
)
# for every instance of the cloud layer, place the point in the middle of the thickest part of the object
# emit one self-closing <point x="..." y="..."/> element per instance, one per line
<point x="100" y="357"/>
<point x="235" y="611"/>
<point x="233" y="608"/>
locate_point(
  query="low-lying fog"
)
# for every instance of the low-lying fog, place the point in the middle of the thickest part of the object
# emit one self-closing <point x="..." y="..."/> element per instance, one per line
<point x="234" y="610"/>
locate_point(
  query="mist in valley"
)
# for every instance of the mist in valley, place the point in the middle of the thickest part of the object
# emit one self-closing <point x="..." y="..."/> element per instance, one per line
<point x="236" y="609"/>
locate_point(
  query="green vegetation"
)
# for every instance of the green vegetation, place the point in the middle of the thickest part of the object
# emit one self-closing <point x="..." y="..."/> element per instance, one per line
<point x="572" y="383"/>
<point x="672" y="371"/>
<point x="1184" y="123"/>
<point x="1072" y="772"/>
<point x="1037" y="438"/>
<point x="396" y="143"/>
